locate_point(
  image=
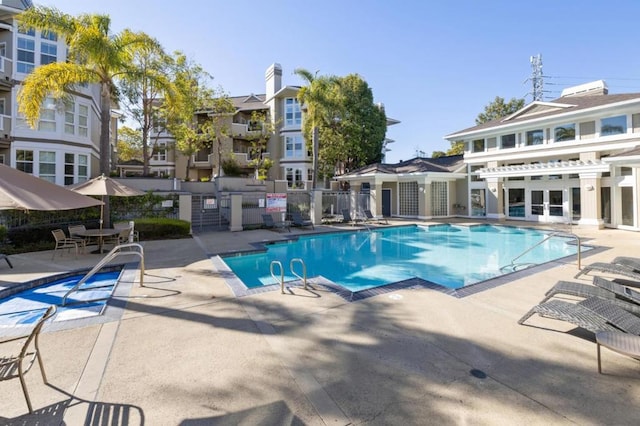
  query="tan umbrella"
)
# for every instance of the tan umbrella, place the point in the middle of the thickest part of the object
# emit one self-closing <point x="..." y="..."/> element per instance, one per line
<point x="22" y="191"/>
<point x="103" y="185"/>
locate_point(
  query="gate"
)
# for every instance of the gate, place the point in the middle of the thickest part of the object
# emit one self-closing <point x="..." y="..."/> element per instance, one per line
<point x="207" y="213"/>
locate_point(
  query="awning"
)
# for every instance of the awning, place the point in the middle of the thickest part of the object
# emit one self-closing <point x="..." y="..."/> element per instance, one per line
<point x="550" y="168"/>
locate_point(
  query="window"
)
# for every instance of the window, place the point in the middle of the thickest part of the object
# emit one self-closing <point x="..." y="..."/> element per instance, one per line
<point x="566" y="132"/>
<point x="2" y="107"/>
<point x="83" y="120"/>
<point x="83" y="167"/>
<point x="47" y="166"/>
<point x="477" y="145"/>
<point x="473" y="173"/>
<point x="508" y="141"/>
<point x="160" y="152"/>
<point x="24" y="160"/>
<point x="49" y="35"/>
<point x="69" y="118"/>
<point x="293" y="147"/>
<point x="626" y="171"/>
<point x="613" y="125"/>
<point x="478" y="202"/>
<point x="29" y="31"/>
<point x="294" y="177"/>
<point x="47" y="121"/>
<point x="48" y="53"/>
<point x="535" y="137"/>
<point x="69" y="166"/>
<point x="26" y="55"/>
<point x="516" y="177"/>
<point x="3" y="49"/>
<point x="292" y="113"/>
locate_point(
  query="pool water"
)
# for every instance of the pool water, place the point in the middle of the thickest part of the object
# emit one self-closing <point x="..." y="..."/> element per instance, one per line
<point x="447" y="255"/>
<point x="28" y="306"/>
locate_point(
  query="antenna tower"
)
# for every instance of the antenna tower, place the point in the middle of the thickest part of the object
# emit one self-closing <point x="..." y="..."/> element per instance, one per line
<point x="536" y="77"/>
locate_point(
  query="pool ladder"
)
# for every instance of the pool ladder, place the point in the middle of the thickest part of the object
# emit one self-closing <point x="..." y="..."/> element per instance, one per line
<point x="292" y="262"/>
<point x="115" y="252"/>
<point x="513" y="264"/>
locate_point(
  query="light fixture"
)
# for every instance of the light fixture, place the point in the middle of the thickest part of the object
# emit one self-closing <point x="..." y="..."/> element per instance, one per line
<point x="493" y="189"/>
<point x="589" y="187"/>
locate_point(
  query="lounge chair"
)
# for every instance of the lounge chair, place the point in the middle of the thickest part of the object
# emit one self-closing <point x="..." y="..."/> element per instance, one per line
<point x="269" y="223"/>
<point x="617" y="341"/>
<point x="297" y="220"/>
<point x="611" y="268"/>
<point x="616" y="293"/>
<point x="371" y="218"/>
<point x="16" y="366"/>
<point x="346" y="215"/>
<point x="593" y="314"/>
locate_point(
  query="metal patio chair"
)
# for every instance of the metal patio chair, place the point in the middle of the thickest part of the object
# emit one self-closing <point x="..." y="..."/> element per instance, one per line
<point x="17" y="365"/>
<point x="63" y="242"/>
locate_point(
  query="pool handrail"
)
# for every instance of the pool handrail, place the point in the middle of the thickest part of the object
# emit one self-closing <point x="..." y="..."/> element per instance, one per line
<point x="303" y="278"/>
<point x="115" y="252"/>
<point x="548" y="237"/>
<point x="277" y="263"/>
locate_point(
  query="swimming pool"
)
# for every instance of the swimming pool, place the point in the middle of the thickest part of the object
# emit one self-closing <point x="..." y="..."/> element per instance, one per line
<point x="447" y="255"/>
<point x="24" y="304"/>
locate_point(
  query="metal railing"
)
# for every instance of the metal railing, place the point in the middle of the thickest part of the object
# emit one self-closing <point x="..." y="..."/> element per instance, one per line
<point x="548" y="237"/>
<point x="302" y="277"/>
<point x="115" y="252"/>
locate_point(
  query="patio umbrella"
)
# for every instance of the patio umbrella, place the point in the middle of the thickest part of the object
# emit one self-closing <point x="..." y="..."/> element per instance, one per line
<point x="22" y="191"/>
<point x="104" y="185"/>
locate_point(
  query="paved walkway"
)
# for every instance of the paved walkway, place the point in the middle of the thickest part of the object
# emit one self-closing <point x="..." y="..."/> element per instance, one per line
<point x="185" y="351"/>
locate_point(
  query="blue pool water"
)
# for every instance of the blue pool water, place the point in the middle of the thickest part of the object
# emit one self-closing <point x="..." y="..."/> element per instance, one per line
<point x="27" y="306"/>
<point x="451" y="256"/>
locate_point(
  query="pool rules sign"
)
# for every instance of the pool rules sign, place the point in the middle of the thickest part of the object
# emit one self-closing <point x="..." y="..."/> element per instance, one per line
<point x="276" y="203"/>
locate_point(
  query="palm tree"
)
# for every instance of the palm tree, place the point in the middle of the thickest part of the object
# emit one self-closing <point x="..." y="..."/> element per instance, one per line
<point x="94" y="56"/>
<point x="315" y="100"/>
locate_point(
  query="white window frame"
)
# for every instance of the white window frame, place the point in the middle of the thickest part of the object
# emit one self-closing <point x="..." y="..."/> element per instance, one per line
<point x="292" y="107"/>
<point x="297" y="143"/>
<point x="45" y="163"/>
<point x="25" y="67"/>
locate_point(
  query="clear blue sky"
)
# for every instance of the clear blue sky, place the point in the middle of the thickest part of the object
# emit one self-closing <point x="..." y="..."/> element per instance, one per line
<point x="434" y="64"/>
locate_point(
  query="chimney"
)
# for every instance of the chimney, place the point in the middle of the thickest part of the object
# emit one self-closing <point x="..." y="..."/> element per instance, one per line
<point x="273" y="78"/>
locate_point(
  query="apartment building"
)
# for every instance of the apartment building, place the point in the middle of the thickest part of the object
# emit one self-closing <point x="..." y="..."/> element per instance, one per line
<point x="64" y="147"/>
<point x="574" y="159"/>
<point x="286" y="147"/>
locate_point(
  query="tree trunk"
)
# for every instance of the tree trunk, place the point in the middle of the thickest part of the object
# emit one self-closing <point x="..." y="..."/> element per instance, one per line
<point x="105" y="146"/>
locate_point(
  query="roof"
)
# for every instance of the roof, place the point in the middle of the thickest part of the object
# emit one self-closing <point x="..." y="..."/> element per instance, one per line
<point x="446" y="164"/>
<point x="563" y="105"/>
<point x="249" y="102"/>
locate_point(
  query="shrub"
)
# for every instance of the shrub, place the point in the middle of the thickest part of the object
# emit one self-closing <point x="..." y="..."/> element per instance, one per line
<point x="162" y="228"/>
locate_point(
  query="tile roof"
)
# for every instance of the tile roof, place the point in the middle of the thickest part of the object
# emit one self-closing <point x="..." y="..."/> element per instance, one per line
<point x="446" y="164"/>
<point x="577" y="103"/>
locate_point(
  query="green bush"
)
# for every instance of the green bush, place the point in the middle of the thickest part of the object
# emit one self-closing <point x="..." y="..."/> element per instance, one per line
<point x="162" y="228"/>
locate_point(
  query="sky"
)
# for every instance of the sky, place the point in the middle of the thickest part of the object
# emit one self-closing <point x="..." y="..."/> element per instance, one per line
<point x="434" y="64"/>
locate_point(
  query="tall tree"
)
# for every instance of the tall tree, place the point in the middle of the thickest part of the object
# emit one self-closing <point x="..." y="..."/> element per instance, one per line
<point x="95" y="55"/>
<point x="129" y="144"/>
<point x="259" y="138"/>
<point x="198" y="115"/>
<point x="144" y="91"/>
<point x="498" y="109"/>
<point x="351" y="126"/>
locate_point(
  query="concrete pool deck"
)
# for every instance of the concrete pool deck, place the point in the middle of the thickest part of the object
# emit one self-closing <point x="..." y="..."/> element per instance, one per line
<point x="185" y="351"/>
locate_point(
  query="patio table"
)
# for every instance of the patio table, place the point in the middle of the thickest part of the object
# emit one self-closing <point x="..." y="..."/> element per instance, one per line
<point x="99" y="234"/>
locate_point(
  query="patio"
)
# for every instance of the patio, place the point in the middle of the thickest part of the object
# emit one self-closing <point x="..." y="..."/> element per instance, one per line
<point x="187" y="352"/>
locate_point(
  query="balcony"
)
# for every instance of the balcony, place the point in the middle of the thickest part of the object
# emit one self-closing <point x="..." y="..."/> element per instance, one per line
<point x="245" y="131"/>
<point x="243" y="158"/>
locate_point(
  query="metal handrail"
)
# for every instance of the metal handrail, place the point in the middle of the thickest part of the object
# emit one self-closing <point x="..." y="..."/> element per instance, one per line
<point x="274" y="263"/>
<point x="554" y="234"/>
<point x="304" y="270"/>
<point x="115" y="252"/>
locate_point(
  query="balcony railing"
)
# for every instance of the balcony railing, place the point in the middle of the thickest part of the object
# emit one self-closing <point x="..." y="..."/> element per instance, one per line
<point x="239" y="130"/>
